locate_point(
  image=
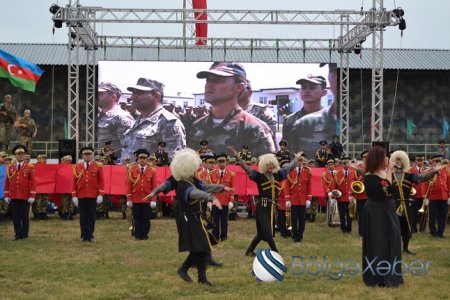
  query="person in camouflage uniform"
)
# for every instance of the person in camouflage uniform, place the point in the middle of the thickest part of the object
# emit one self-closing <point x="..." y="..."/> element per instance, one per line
<point x="155" y="124"/>
<point x="67" y="208"/>
<point x="261" y="111"/>
<point x="27" y="130"/>
<point x="113" y="121"/>
<point x="3" y="204"/>
<point x="228" y="123"/>
<point x="39" y="207"/>
<point x="8" y="116"/>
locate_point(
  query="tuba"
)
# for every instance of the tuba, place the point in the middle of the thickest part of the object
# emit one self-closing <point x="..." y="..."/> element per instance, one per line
<point x="288" y="219"/>
<point x="357" y="187"/>
<point x="352" y="208"/>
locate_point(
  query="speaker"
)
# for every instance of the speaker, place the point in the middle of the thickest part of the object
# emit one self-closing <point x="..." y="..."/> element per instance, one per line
<point x="67" y="147"/>
<point x="384" y="145"/>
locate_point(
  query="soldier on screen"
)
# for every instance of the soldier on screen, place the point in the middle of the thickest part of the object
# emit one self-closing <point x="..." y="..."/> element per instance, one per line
<point x="155" y="124"/>
<point x="227" y="123"/>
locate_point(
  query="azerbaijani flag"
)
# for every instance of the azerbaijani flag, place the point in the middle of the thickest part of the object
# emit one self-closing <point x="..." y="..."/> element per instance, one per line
<point x="21" y="73"/>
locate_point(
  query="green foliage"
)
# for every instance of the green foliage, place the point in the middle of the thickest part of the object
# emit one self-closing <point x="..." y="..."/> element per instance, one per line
<point x="54" y="264"/>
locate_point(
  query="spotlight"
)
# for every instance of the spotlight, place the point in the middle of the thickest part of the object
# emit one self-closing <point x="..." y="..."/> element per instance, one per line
<point x="357" y="49"/>
<point x="54" y="10"/>
<point x="399" y="12"/>
<point x="402" y="24"/>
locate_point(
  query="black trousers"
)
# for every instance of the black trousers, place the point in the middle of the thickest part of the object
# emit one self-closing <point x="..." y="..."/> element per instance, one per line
<point x="417" y="204"/>
<point x="298" y="216"/>
<point x="87" y="209"/>
<point x="20" y="210"/>
<point x="360" y="208"/>
<point x="438" y="212"/>
<point x="344" y="216"/>
<point x="220" y="222"/>
<point x="281" y="222"/>
<point x="141" y="216"/>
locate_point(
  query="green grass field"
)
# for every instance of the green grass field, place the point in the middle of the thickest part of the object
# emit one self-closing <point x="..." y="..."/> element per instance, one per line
<point x="54" y="264"/>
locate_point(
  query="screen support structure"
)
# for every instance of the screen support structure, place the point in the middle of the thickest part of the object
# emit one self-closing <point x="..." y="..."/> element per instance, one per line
<point x="356" y="26"/>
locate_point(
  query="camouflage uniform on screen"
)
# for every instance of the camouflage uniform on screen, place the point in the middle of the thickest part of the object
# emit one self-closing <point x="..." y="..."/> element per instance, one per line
<point x="104" y="207"/>
<point x="26" y="132"/>
<point x="39" y="206"/>
<point x="112" y="126"/>
<point x="237" y="128"/>
<point x="160" y="125"/>
<point x="262" y="112"/>
<point x="8" y="115"/>
<point x="311" y="129"/>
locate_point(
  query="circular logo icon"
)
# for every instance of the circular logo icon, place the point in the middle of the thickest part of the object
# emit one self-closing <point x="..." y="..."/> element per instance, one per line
<point x="268" y="266"/>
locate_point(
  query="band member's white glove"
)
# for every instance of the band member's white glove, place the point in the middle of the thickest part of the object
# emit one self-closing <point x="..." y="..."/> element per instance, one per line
<point x="99" y="199"/>
<point x="209" y="205"/>
<point x="75" y="201"/>
<point x="288" y="204"/>
<point x="230" y="205"/>
<point x="448" y="201"/>
<point x="129" y="203"/>
<point x="330" y="195"/>
<point x="7" y="200"/>
<point x="308" y="203"/>
<point x="30" y="200"/>
<point x="152" y="204"/>
<point x="426" y="202"/>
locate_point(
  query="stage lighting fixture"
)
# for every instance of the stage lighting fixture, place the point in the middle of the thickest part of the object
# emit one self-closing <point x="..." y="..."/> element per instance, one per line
<point x="399" y="12"/>
<point x="357" y="49"/>
<point x="402" y="24"/>
<point x="54" y="10"/>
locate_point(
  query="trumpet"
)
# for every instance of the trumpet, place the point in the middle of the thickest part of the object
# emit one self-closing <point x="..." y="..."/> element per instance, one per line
<point x="288" y="218"/>
<point x="352" y="208"/>
<point x="357" y="187"/>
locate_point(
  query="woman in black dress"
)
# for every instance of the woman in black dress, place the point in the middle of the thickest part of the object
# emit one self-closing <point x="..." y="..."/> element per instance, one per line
<point x="381" y="228"/>
<point x="193" y="236"/>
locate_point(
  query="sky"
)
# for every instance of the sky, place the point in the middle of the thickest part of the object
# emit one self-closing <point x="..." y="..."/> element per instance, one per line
<point x="427" y="21"/>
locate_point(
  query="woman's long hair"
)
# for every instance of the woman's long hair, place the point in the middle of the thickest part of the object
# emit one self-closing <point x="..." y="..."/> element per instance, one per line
<point x="375" y="159"/>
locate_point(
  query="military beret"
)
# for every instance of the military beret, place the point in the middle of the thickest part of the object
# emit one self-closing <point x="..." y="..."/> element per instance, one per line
<point x="162" y="144"/>
<point x="323" y="143"/>
<point x="282" y="142"/>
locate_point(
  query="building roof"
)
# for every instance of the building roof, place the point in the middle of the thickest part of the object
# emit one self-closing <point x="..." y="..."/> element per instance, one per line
<point x="405" y="59"/>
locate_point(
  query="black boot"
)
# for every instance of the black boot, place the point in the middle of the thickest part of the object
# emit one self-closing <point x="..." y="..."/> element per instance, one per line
<point x="183" y="270"/>
<point x="106" y="215"/>
<point x="252" y="247"/>
<point x="201" y="265"/>
<point x="210" y="261"/>
<point x="405" y="247"/>
<point x="124" y="215"/>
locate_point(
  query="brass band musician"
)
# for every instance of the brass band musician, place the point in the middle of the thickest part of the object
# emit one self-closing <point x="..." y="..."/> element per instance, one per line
<point x="344" y="178"/>
<point x="108" y="153"/>
<point x="323" y="154"/>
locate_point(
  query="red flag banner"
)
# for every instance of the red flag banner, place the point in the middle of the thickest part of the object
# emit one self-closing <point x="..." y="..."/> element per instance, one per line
<point x="201" y="29"/>
<point x="63" y="178"/>
<point x="21" y="73"/>
<point x="45" y="178"/>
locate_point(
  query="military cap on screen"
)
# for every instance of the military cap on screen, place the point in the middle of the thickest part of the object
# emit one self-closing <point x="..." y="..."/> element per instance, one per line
<point x="331" y="161"/>
<point x="109" y="87"/>
<point x="162" y="144"/>
<point x="19" y="149"/>
<point x="225" y="69"/>
<point x="320" y="80"/>
<point x="323" y="143"/>
<point x="86" y="149"/>
<point x="108" y="143"/>
<point x="437" y="157"/>
<point x="222" y="155"/>
<point x="142" y="153"/>
<point x="245" y="147"/>
<point x="144" y="84"/>
<point x="204" y="143"/>
<point x="282" y="142"/>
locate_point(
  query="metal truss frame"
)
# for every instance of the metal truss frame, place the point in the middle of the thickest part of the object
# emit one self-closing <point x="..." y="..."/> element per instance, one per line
<point x="356" y="26"/>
